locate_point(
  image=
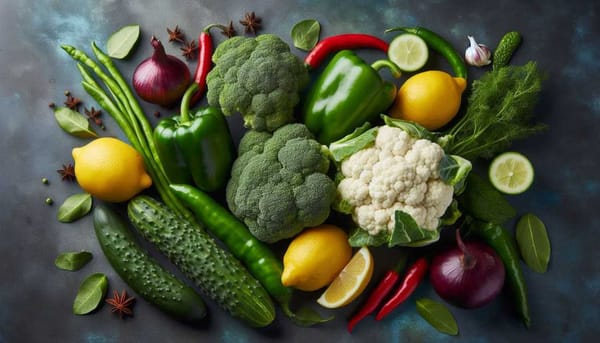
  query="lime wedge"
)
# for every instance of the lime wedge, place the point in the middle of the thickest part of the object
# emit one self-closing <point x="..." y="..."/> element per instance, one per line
<point x="409" y="52"/>
<point x="511" y="173"/>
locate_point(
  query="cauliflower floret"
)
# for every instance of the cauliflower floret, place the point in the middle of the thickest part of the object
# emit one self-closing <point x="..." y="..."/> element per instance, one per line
<point x="397" y="173"/>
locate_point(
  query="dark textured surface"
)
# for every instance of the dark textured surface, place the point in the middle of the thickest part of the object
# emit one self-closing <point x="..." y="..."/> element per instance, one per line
<point x="36" y="297"/>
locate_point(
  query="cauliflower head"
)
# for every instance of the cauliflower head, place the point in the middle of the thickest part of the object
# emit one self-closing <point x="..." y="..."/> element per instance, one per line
<point x="279" y="183"/>
<point x="397" y="172"/>
<point x="258" y="77"/>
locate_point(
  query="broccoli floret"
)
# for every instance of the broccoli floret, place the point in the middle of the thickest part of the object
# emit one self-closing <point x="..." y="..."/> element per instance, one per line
<point x="257" y="77"/>
<point x="279" y="183"/>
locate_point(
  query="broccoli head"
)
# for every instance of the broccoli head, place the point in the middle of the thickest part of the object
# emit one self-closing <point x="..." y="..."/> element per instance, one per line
<point x="257" y="77"/>
<point x="279" y="183"/>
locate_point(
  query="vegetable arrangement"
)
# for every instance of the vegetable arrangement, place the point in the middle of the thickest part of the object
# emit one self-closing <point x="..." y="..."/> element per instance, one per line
<point x="395" y="162"/>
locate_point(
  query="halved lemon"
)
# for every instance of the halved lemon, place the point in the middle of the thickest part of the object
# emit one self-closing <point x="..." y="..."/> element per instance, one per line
<point x="511" y="173"/>
<point x="350" y="282"/>
<point x="409" y="52"/>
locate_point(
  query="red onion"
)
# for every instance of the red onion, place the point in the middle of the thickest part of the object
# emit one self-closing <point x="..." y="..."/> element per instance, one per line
<point x="161" y="79"/>
<point x="469" y="275"/>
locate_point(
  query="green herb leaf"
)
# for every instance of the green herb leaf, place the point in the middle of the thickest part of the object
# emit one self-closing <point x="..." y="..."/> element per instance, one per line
<point x="408" y="233"/>
<point x="305" y="34"/>
<point x="74" y="207"/>
<point x="354" y="142"/>
<point x="72" y="261"/>
<point x="484" y="202"/>
<point x="533" y="242"/>
<point x="90" y="294"/>
<point x="306" y="316"/>
<point x="499" y="111"/>
<point x="438" y="315"/>
<point x="73" y="123"/>
<point x="121" y="43"/>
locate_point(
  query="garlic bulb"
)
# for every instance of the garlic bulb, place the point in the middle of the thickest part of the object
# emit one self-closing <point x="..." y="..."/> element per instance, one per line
<point x="477" y="54"/>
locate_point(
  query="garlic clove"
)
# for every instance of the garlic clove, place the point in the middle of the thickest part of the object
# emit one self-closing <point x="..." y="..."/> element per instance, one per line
<point x="477" y="55"/>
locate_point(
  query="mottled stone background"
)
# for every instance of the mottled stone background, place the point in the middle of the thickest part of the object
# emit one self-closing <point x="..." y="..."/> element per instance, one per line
<point x="36" y="298"/>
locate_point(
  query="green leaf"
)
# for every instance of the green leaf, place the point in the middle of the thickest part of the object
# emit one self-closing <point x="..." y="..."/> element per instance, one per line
<point x="533" y="242"/>
<point x="121" y="43"/>
<point x="413" y="129"/>
<point x="74" y="207"/>
<point x="354" y="142"/>
<point x="305" y="34"/>
<point x="438" y="315"/>
<point x="484" y="202"/>
<point x="453" y="171"/>
<point x="306" y="316"/>
<point x="359" y="237"/>
<point x="72" y="261"/>
<point x="90" y="294"/>
<point x="73" y="122"/>
<point x="408" y="233"/>
<point x="452" y="214"/>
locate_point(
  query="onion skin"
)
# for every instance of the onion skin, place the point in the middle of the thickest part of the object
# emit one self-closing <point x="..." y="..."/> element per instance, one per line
<point x="469" y="276"/>
<point x="161" y="79"/>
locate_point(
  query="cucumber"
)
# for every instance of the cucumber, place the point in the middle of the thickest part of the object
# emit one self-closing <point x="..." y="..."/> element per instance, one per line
<point x="142" y="273"/>
<point x="505" y="49"/>
<point x="215" y="271"/>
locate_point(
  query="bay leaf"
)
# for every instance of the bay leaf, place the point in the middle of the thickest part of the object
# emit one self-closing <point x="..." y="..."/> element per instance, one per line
<point x="121" y="43"/>
<point x="73" y="122"/>
<point x="72" y="261"/>
<point x="90" y="294"/>
<point x="534" y="244"/>
<point x="305" y="34"/>
<point x="74" y="207"/>
<point x="438" y="315"/>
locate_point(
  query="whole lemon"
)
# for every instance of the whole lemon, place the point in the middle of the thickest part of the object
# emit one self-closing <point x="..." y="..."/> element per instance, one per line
<point x="110" y="169"/>
<point x="431" y="99"/>
<point x="315" y="257"/>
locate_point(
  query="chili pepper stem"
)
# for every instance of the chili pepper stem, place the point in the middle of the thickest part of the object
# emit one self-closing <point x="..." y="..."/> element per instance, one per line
<point x="210" y="26"/>
<point x="396" y="72"/>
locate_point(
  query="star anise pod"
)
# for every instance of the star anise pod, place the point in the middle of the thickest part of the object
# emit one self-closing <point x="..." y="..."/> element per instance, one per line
<point x="67" y="173"/>
<point x="189" y="50"/>
<point x="176" y="34"/>
<point x="251" y="22"/>
<point x="229" y="30"/>
<point x="121" y="303"/>
<point x="94" y="114"/>
<point x="72" y="102"/>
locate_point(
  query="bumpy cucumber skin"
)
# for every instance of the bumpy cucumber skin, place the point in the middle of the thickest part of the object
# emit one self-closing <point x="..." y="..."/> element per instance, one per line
<point x="215" y="271"/>
<point x="506" y="48"/>
<point x="142" y="273"/>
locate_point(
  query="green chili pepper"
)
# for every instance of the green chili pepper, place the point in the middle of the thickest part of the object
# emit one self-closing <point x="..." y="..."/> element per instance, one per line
<point x="501" y="241"/>
<point x="441" y="46"/>
<point x="348" y="93"/>
<point x="254" y="254"/>
<point x="195" y="147"/>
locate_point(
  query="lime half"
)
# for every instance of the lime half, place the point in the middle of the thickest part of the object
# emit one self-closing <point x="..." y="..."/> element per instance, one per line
<point x="409" y="52"/>
<point x="511" y="173"/>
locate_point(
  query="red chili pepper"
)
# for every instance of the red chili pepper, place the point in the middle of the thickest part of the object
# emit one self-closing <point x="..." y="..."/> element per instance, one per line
<point x="413" y="277"/>
<point x="383" y="288"/>
<point x="344" y="41"/>
<point x="205" y="50"/>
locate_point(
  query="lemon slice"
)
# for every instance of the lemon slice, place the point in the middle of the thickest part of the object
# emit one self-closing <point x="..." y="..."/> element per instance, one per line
<point x="409" y="52"/>
<point x="511" y="173"/>
<point x="350" y="282"/>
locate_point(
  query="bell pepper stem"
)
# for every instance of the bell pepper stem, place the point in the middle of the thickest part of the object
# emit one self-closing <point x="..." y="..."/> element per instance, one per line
<point x="396" y="72"/>
<point x="185" y="102"/>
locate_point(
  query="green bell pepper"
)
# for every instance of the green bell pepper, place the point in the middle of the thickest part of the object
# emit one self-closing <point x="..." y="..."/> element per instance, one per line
<point x="347" y="94"/>
<point x="195" y="147"/>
